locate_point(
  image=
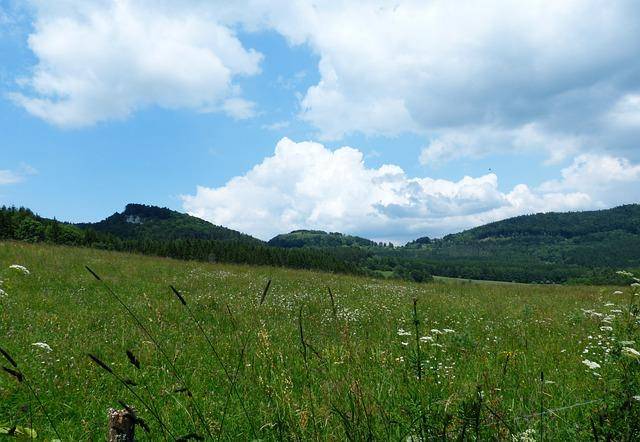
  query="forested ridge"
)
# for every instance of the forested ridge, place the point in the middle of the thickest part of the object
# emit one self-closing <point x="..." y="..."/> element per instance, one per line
<point x="574" y="247"/>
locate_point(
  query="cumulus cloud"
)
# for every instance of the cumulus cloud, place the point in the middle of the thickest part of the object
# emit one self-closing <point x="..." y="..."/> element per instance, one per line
<point x="561" y="77"/>
<point x="609" y="180"/>
<point x="452" y="70"/>
<point x="305" y="185"/>
<point x="101" y="60"/>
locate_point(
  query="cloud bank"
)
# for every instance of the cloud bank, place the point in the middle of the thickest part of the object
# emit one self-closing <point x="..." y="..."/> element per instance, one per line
<point x="305" y="185"/>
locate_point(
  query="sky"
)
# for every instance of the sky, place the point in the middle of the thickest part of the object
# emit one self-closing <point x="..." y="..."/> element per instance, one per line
<point x="389" y="120"/>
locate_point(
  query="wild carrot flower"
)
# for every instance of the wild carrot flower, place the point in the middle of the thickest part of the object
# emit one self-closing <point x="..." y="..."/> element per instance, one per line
<point x="20" y="268"/>
<point x="42" y="345"/>
<point x="403" y="332"/>
<point x="592" y="365"/>
<point x="631" y="352"/>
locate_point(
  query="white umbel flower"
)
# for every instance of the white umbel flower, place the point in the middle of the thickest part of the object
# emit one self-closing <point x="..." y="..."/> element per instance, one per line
<point x="20" y="268"/>
<point x="592" y="365"/>
<point x="631" y="352"/>
<point x="43" y="346"/>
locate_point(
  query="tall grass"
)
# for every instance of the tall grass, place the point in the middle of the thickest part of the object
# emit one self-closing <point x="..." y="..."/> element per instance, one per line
<point x="372" y="360"/>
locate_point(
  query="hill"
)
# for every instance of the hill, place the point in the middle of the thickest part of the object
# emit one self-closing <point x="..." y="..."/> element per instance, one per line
<point x="578" y="247"/>
<point x="163" y="232"/>
<point x="139" y="221"/>
<point x="318" y="238"/>
<point x="574" y="245"/>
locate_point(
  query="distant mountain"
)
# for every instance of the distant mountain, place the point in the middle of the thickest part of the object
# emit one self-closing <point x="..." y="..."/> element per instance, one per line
<point x="139" y="221"/>
<point x="318" y="238"/>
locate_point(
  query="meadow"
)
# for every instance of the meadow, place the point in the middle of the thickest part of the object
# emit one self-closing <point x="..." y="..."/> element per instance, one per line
<point x="373" y="359"/>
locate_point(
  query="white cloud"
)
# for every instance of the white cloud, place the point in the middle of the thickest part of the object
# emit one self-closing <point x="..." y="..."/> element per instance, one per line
<point x="101" y="60"/>
<point x="239" y="108"/>
<point x="463" y="68"/>
<point x="609" y="180"/>
<point x="561" y="77"/>
<point x="473" y="142"/>
<point x="305" y="185"/>
<point x="8" y="176"/>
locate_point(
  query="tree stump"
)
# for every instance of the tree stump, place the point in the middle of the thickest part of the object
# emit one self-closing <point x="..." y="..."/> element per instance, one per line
<point x="121" y="425"/>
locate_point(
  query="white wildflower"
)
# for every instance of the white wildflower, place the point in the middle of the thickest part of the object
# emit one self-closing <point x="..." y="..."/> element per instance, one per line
<point x="627" y="343"/>
<point x="592" y="365"/>
<point x="405" y="343"/>
<point x="42" y="345"/>
<point x="606" y="328"/>
<point x="403" y="332"/>
<point x="635" y="284"/>
<point x="525" y="436"/>
<point x="624" y="273"/>
<point x="435" y="331"/>
<point x="637" y="398"/>
<point x="448" y="330"/>
<point x="631" y="352"/>
<point x="2" y="293"/>
<point x="426" y="338"/>
<point x="20" y="268"/>
<point x="617" y="292"/>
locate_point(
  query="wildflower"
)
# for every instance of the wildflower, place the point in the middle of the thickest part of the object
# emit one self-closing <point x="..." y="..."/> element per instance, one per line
<point x="448" y="330"/>
<point x="627" y="343"/>
<point x="403" y="332"/>
<point x="426" y="338"/>
<point x="635" y="284"/>
<point x="525" y="436"/>
<point x="435" y="331"/>
<point x="606" y="328"/>
<point x="624" y="273"/>
<point x="631" y="352"/>
<point x="23" y="269"/>
<point x="637" y="398"/>
<point x="2" y="293"/>
<point x="405" y="343"/>
<point x="617" y="292"/>
<point x="592" y="365"/>
<point x="42" y="345"/>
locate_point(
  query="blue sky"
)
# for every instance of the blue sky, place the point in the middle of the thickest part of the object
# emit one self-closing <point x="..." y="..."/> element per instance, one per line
<point x="242" y="113"/>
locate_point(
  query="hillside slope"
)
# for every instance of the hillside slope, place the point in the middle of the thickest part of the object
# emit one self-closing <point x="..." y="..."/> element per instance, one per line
<point x="139" y="221"/>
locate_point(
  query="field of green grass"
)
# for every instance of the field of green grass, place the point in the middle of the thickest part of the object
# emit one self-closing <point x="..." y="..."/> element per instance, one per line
<point x="477" y="362"/>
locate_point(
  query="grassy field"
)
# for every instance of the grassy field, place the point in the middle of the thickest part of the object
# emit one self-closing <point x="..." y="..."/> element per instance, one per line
<point x="298" y="367"/>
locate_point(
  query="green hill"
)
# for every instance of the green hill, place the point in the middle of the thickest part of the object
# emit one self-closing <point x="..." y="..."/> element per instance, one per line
<point x="318" y="238"/>
<point x="581" y="247"/>
<point x="139" y="221"/>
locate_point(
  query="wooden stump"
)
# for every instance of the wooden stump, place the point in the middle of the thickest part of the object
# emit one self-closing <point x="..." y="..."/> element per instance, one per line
<point x="121" y="426"/>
